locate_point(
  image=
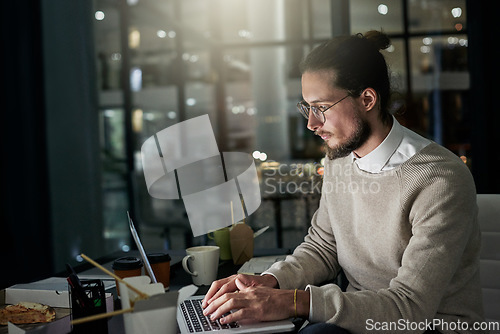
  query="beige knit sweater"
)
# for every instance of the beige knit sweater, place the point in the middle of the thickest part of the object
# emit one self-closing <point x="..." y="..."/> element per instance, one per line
<point x="408" y="240"/>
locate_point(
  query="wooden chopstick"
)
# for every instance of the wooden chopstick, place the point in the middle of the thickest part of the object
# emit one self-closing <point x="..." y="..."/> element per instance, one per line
<point x="131" y="287"/>
<point x="100" y="316"/>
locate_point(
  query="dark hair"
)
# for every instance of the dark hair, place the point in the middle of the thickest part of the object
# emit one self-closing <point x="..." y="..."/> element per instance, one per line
<point x="357" y="63"/>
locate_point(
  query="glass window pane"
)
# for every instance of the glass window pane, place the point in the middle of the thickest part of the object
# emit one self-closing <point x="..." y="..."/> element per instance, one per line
<point x="233" y="19"/>
<point x="439" y="62"/>
<point x="147" y="37"/>
<point x="395" y="58"/>
<point x="112" y="133"/>
<point x="151" y="26"/>
<point x="321" y="23"/>
<point x="114" y="182"/>
<point x="155" y="109"/>
<point x="238" y="63"/>
<point x="200" y="100"/>
<point x="108" y="47"/>
<point x="197" y="65"/>
<point x="243" y="21"/>
<point x="297" y="20"/>
<point x="153" y="70"/>
<point x="111" y="125"/>
<point x="375" y="15"/>
<point x="440" y="80"/>
<point x="262" y="90"/>
<point x="195" y="22"/>
<point x="437" y="15"/>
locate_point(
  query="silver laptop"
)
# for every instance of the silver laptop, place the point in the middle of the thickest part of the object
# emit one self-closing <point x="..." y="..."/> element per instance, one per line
<point x="190" y="319"/>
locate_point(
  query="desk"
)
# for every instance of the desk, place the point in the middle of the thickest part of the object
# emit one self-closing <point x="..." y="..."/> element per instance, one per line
<point x="178" y="278"/>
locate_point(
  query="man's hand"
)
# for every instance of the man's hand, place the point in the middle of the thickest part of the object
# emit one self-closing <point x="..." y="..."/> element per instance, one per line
<point x="226" y="285"/>
<point x="251" y="302"/>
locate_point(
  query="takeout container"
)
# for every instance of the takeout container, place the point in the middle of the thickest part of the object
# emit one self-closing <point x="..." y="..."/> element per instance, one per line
<point x="242" y="241"/>
<point x="156" y="314"/>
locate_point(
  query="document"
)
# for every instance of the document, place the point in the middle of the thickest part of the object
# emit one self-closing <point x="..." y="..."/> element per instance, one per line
<point x="258" y="265"/>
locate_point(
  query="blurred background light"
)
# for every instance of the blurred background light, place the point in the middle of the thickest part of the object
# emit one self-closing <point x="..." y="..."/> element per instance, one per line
<point x="383" y="9"/>
<point x="99" y="15"/>
<point x="456" y="12"/>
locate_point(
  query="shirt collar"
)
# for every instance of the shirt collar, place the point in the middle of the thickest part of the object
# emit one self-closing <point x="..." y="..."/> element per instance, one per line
<point x="375" y="161"/>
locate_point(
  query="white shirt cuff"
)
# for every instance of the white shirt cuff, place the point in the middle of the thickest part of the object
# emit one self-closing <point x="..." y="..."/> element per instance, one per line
<point x="308" y="287"/>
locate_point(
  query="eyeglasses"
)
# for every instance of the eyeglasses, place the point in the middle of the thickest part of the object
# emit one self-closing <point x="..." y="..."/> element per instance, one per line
<point x="318" y="112"/>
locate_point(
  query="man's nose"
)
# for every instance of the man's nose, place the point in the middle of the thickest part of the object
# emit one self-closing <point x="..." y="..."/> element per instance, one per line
<point x="313" y="123"/>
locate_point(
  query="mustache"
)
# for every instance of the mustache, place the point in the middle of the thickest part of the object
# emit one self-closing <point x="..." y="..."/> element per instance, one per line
<point x="320" y="133"/>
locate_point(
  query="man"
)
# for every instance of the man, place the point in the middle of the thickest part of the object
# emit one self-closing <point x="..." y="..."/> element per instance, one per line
<point x="397" y="214"/>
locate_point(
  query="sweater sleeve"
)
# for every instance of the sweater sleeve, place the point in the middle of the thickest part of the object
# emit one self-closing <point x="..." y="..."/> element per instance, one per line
<point x="440" y="260"/>
<point x="315" y="260"/>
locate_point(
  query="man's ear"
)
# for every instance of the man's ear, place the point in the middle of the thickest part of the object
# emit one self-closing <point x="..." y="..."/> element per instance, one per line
<point x="369" y="98"/>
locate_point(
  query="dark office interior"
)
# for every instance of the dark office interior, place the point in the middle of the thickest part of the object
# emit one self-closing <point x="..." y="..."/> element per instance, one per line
<point x="70" y="133"/>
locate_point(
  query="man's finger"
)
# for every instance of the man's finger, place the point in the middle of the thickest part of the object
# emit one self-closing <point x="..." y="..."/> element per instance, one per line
<point x="240" y="285"/>
<point x="226" y="288"/>
<point x="222" y="305"/>
<point x="215" y="290"/>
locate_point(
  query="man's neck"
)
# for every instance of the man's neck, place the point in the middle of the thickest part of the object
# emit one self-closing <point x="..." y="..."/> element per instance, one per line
<point x="379" y="133"/>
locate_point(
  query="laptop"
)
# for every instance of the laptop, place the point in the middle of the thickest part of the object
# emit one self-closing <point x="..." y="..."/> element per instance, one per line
<point x="190" y="319"/>
<point x="190" y="316"/>
<point x="138" y="243"/>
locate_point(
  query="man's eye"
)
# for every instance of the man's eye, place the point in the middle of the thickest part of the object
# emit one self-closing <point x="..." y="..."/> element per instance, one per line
<point x="322" y="108"/>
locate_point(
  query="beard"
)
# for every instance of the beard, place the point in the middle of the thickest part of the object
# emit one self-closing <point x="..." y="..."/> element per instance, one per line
<point x="358" y="138"/>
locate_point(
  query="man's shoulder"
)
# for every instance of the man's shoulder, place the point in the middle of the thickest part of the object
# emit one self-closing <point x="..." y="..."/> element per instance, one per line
<point x="435" y="156"/>
<point x="434" y="177"/>
<point x="436" y="164"/>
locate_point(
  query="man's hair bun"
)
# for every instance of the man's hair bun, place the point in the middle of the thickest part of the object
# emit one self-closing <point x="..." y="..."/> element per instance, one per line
<point x="380" y="40"/>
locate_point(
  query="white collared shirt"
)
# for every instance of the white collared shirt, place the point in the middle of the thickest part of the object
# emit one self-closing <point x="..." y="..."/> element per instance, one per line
<point x="399" y="145"/>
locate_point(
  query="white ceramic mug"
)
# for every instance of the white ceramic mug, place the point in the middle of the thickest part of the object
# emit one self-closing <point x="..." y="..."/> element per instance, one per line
<point x="202" y="263"/>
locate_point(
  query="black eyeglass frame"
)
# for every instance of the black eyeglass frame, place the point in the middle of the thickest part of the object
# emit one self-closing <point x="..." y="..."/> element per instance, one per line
<point x="319" y="114"/>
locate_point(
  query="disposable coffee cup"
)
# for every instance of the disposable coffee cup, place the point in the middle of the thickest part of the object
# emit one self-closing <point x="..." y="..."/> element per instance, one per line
<point x="128" y="266"/>
<point x="221" y="238"/>
<point x="160" y="263"/>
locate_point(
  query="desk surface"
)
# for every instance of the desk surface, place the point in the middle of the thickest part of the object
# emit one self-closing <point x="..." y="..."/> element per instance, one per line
<point x="178" y="278"/>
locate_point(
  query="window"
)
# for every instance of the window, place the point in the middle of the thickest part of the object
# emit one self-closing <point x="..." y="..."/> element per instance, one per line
<point x="237" y="61"/>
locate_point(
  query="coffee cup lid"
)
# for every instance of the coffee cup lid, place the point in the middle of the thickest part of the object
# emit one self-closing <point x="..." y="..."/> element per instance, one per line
<point x="158" y="257"/>
<point x="127" y="263"/>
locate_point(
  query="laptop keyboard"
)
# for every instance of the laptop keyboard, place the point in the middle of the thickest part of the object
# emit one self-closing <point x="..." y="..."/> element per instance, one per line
<point x="197" y="322"/>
